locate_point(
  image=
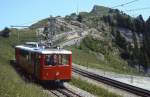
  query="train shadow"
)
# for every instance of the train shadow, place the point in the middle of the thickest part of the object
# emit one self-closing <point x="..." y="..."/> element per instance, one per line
<point x="28" y="78"/>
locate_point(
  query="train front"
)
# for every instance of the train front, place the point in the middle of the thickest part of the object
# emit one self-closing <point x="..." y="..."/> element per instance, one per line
<point x="56" y="64"/>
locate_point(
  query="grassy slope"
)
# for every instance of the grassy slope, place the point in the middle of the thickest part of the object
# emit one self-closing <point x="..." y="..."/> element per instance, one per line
<point x="111" y="62"/>
<point x="93" y="89"/>
<point x="11" y="84"/>
<point x="88" y="58"/>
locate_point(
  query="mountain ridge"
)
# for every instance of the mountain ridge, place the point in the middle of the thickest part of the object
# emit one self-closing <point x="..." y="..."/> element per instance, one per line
<point x="111" y="27"/>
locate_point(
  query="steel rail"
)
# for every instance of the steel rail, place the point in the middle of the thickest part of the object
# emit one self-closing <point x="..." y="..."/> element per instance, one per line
<point x="68" y="93"/>
<point x="114" y="83"/>
<point x="54" y="93"/>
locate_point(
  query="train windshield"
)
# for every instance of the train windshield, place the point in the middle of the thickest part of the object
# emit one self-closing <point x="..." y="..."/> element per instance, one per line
<point x="56" y="59"/>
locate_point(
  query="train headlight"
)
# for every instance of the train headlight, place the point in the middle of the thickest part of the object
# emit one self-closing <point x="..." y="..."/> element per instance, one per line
<point x="47" y="74"/>
<point x="57" y="73"/>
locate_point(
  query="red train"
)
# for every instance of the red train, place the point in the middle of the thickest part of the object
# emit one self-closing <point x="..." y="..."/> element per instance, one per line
<point x="44" y="64"/>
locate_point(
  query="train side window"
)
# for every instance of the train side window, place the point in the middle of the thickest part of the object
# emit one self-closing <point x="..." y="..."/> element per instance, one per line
<point x="48" y="59"/>
<point x="65" y="59"/>
<point x="37" y="59"/>
<point x="24" y="53"/>
<point x="29" y="58"/>
<point x="55" y="60"/>
<point x="21" y="52"/>
<point x="60" y="59"/>
<point x="27" y="55"/>
<point x="32" y="58"/>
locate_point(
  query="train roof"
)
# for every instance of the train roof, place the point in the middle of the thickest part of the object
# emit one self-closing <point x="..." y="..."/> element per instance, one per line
<point x="43" y="50"/>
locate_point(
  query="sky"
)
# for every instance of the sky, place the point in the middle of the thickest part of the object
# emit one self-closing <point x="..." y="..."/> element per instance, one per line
<point x="27" y="12"/>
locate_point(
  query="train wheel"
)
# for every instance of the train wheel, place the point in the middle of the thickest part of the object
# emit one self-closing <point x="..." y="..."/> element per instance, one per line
<point x="61" y="84"/>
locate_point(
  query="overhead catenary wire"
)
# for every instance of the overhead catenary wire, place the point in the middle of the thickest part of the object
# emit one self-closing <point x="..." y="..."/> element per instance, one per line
<point x="138" y="9"/>
<point x="27" y="24"/>
<point x="131" y="10"/>
<point x="125" y="3"/>
<point x="21" y="25"/>
<point x="16" y="26"/>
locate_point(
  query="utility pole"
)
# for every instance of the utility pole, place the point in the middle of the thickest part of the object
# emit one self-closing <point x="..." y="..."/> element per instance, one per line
<point x="18" y="34"/>
<point x="46" y="33"/>
<point x="77" y="7"/>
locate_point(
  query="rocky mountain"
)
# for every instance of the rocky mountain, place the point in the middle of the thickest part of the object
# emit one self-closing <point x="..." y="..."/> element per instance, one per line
<point x="110" y="28"/>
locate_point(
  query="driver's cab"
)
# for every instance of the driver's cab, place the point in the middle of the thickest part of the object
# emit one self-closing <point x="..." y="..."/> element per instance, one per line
<point x="56" y="59"/>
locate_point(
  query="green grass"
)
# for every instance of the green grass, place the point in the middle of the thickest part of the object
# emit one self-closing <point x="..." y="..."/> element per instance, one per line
<point x="111" y="62"/>
<point x="11" y="84"/>
<point x="93" y="89"/>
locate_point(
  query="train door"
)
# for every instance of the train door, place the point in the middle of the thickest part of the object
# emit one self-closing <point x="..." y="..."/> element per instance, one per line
<point x="17" y="55"/>
<point x="49" y="67"/>
<point x="36" y="64"/>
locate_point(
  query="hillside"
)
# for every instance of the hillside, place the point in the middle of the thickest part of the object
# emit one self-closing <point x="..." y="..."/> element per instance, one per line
<point x="104" y="35"/>
<point x="118" y="30"/>
<point x="104" y="38"/>
<point x="12" y="84"/>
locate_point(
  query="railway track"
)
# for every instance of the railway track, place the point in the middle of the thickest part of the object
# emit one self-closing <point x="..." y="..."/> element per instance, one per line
<point x="64" y="92"/>
<point x="60" y="90"/>
<point x="56" y="89"/>
<point x="114" y="83"/>
<point x="68" y="93"/>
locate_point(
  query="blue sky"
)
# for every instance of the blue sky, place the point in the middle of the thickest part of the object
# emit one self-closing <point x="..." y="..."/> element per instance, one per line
<point x="26" y="12"/>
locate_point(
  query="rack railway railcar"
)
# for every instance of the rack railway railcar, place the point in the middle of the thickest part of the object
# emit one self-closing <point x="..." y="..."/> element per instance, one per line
<point x="44" y="64"/>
